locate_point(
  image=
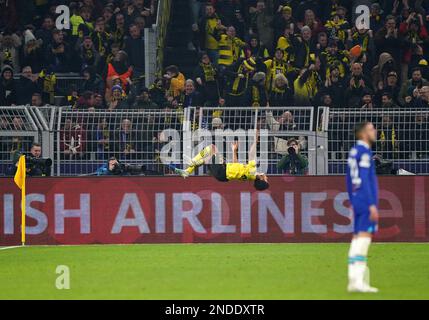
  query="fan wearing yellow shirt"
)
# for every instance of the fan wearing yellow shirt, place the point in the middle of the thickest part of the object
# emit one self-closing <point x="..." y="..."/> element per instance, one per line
<point x="225" y="172"/>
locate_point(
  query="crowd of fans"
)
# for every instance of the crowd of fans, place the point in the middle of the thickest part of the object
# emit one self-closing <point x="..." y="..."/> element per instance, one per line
<point x="251" y="53"/>
<point x="307" y="52"/>
<point x="257" y="53"/>
<point x="104" y="44"/>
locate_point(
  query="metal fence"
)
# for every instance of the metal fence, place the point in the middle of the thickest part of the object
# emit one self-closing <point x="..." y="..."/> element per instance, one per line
<point x="80" y="142"/>
<point x="19" y="128"/>
<point x="403" y="136"/>
<point x="276" y="124"/>
<point x="84" y="141"/>
<point x="64" y="81"/>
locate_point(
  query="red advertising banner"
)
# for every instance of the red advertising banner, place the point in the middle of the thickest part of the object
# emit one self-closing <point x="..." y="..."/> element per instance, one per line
<point x="200" y="209"/>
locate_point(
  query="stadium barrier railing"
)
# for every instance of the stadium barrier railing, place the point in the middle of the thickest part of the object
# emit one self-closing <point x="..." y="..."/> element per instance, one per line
<point x="79" y="142"/>
<point x="402" y="136"/>
<point x="19" y="128"/>
<point x="64" y="83"/>
<point x="276" y="124"/>
<point x="84" y="141"/>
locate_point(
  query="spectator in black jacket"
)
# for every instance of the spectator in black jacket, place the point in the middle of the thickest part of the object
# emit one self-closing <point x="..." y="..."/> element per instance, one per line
<point x="118" y="33"/>
<point x="282" y="94"/>
<point x="256" y="93"/>
<point x="138" y="8"/>
<point x="304" y="45"/>
<point x="283" y="20"/>
<point x="390" y="87"/>
<point x="422" y="98"/>
<point x="32" y="53"/>
<point x="134" y="47"/>
<point x="125" y="140"/>
<point x="144" y="101"/>
<point x="189" y="97"/>
<point x="334" y="86"/>
<point x="87" y="53"/>
<point x="388" y="39"/>
<point x="27" y="84"/>
<point x="58" y="53"/>
<point x="45" y="32"/>
<point x="92" y="81"/>
<point x="7" y="87"/>
<point x="387" y="101"/>
<point x="101" y="39"/>
<point x="358" y="84"/>
<point x="206" y="77"/>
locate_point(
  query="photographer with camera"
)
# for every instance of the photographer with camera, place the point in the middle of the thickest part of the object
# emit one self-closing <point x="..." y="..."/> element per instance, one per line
<point x="115" y="168"/>
<point x="293" y="162"/>
<point x="35" y="164"/>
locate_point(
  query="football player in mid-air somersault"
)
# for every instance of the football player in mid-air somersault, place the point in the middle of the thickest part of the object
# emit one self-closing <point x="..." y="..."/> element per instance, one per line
<point x="362" y="188"/>
<point x="225" y="172"/>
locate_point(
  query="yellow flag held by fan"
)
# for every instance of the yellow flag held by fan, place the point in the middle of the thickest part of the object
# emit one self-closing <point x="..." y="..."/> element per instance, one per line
<point x="20" y="182"/>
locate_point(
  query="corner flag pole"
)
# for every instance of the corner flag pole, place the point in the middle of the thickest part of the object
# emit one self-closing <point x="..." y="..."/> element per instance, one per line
<point x="19" y="179"/>
<point x="23" y="213"/>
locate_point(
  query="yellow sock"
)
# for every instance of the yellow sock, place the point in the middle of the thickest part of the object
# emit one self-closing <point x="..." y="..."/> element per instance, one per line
<point x="199" y="159"/>
<point x="190" y="169"/>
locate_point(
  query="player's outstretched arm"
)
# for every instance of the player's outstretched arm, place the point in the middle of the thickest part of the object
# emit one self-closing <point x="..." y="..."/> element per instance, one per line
<point x="234" y="148"/>
<point x="253" y="147"/>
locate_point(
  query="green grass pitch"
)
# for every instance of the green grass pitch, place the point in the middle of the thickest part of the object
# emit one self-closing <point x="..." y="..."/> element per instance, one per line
<point x="211" y="271"/>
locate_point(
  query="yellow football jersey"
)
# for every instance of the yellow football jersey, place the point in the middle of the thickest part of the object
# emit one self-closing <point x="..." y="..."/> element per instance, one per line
<point x="238" y="171"/>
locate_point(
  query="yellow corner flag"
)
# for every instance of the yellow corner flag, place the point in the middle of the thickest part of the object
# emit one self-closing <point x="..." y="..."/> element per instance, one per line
<point x="20" y="182"/>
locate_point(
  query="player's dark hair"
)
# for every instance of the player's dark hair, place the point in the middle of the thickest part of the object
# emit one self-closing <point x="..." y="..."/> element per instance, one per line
<point x="360" y="127"/>
<point x="35" y="144"/>
<point x="261" y="185"/>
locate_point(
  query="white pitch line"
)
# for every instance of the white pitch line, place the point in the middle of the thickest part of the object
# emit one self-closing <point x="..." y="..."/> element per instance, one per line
<point x="7" y="248"/>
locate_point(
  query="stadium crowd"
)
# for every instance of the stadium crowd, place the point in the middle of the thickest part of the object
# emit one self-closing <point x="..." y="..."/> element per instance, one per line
<point x="286" y="52"/>
<point x="104" y="44"/>
<point x="251" y="53"/>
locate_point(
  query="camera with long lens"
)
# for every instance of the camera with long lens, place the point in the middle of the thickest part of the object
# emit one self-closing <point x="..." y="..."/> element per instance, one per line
<point x="292" y="158"/>
<point x="38" y="162"/>
<point x="383" y="167"/>
<point x="38" y="166"/>
<point x="124" y="169"/>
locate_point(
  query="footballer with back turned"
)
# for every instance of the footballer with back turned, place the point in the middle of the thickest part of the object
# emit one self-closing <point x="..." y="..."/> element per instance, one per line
<point x="362" y="187"/>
